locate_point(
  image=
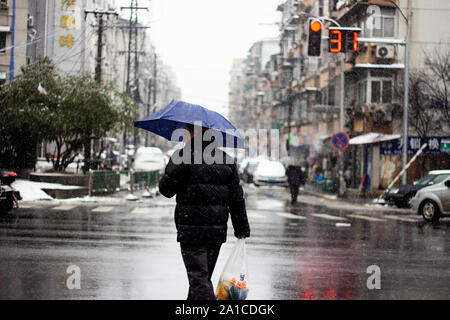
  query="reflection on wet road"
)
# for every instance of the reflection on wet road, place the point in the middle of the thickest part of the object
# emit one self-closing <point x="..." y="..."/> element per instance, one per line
<point x="129" y="251"/>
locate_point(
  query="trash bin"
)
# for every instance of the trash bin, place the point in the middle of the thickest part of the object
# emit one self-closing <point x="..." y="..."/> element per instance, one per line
<point x="328" y="185"/>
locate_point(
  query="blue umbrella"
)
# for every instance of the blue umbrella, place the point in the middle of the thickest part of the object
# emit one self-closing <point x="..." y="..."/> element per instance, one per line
<point x="178" y="113"/>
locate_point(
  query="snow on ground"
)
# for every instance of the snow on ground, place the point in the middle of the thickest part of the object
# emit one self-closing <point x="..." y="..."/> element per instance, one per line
<point x="30" y="190"/>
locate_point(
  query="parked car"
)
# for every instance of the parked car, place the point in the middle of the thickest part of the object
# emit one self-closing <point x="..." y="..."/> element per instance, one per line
<point x="402" y="196"/>
<point x="246" y="169"/>
<point x="433" y="202"/>
<point x="149" y="159"/>
<point x="269" y="172"/>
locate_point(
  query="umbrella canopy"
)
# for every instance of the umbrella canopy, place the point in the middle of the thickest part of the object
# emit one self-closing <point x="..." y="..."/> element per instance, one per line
<point x="179" y="113"/>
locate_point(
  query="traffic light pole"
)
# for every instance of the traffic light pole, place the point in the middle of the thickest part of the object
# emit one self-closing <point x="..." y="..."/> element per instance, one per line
<point x="342" y="186"/>
<point x="405" y="111"/>
<point x="341" y="127"/>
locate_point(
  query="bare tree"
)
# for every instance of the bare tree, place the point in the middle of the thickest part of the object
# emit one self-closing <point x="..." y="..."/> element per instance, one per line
<point x="423" y="116"/>
<point x="437" y="84"/>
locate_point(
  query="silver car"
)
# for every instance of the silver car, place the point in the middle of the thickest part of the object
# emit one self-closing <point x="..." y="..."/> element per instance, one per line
<point x="434" y="201"/>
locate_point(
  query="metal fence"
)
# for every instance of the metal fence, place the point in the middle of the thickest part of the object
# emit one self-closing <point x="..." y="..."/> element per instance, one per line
<point x="111" y="181"/>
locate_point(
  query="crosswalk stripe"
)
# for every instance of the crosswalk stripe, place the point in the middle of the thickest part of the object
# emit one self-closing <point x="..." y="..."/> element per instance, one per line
<point x="140" y="210"/>
<point x="289" y="215"/>
<point x="328" y="216"/>
<point x="64" y="207"/>
<point x="400" y="218"/>
<point x="102" y="209"/>
<point x="26" y="206"/>
<point x="357" y="216"/>
<point x="255" y="215"/>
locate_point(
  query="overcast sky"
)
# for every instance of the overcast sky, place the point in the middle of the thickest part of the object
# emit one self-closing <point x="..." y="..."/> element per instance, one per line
<point x="199" y="39"/>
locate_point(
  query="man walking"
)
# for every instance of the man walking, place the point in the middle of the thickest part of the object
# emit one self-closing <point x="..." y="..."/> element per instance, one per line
<point x="295" y="178"/>
<point x="205" y="194"/>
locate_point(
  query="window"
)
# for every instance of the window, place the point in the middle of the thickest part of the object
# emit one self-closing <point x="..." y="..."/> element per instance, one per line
<point x="331" y="93"/>
<point x="2" y="42"/>
<point x="321" y="8"/>
<point x="362" y="92"/>
<point x="376" y="91"/>
<point x="387" y="24"/>
<point x="387" y="91"/>
<point x="381" y="91"/>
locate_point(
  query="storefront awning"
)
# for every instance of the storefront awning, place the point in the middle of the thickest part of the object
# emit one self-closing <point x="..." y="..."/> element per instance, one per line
<point x="373" y="137"/>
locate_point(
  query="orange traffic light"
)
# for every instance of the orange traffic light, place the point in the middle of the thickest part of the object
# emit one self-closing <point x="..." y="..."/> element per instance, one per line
<point x="314" y="38"/>
<point x="316" y="26"/>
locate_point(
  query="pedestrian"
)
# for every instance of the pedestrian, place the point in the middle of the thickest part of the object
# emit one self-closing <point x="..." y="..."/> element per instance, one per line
<point x="303" y="177"/>
<point x="206" y="194"/>
<point x="294" y="175"/>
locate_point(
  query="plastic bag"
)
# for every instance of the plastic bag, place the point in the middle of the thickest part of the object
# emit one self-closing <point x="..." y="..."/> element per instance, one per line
<point x="233" y="282"/>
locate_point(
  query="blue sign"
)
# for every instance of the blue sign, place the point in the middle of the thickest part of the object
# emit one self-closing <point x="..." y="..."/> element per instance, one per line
<point x="395" y="147"/>
<point x="340" y="140"/>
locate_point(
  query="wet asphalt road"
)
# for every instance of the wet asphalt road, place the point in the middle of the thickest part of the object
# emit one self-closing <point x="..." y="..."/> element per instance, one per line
<point x="128" y="251"/>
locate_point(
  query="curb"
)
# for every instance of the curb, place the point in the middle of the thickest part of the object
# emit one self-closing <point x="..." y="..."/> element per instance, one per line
<point x="320" y="195"/>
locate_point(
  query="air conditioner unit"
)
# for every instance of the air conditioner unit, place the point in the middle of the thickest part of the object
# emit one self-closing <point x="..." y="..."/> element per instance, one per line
<point x="385" y="52"/>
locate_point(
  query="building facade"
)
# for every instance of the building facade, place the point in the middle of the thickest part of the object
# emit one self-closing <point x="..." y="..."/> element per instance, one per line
<point x="13" y="38"/>
<point x="306" y="91"/>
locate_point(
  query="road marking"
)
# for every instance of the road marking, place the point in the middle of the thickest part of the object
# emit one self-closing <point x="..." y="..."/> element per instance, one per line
<point x="141" y="210"/>
<point x="357" y="216"/>
<point x="400" y="218"/>
<point x="289" y="215"/>
<point x="64" y="207"/>
<point x="328" y="216"/>
<point x="343" y="224"/>
<point x="102" y="209"/>
<point x="26" y="206"/>
<point x="252" y="214"/>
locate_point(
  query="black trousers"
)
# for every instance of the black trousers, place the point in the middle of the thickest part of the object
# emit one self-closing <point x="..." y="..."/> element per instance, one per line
<point x="200" y="262"/>
<point x="294" y="192"/>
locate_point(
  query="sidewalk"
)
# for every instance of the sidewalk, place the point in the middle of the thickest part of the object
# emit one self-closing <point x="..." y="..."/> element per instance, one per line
<point x="349" y="202"/>
<point x="334" y="202"/>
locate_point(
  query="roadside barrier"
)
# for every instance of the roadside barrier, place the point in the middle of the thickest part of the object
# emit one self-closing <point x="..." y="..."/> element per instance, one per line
<point x="112" y="181"/>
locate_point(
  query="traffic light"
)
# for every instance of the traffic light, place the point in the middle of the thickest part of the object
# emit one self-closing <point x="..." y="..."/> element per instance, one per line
<point x="343" y="39"/>
<point x="314" y="37"/>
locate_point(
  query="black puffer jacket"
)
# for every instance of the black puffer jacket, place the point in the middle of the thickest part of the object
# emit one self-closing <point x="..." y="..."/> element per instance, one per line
<point x="206" y="194"/>
<point x="295" y="175"/>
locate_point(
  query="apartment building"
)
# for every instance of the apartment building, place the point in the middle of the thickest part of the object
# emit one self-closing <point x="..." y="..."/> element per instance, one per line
<point x="249" y="88"/>
<point x="13" y="38"/>
<point x="305" y="92"/>
<point x="371" y="79"/>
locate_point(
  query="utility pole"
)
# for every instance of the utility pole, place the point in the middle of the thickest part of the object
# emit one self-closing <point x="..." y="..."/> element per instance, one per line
<point x="132" y="64"/>
<point x="153" y="86"/>
<point x="101" y="28"/>
<point x="98" y="70"/>
<point x="148" y="109"/>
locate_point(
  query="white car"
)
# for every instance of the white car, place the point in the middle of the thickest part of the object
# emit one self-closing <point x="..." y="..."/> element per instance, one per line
<point x="434" y="201"/>
<point x="269" y="172"/>
<point x="149" y="159"/>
